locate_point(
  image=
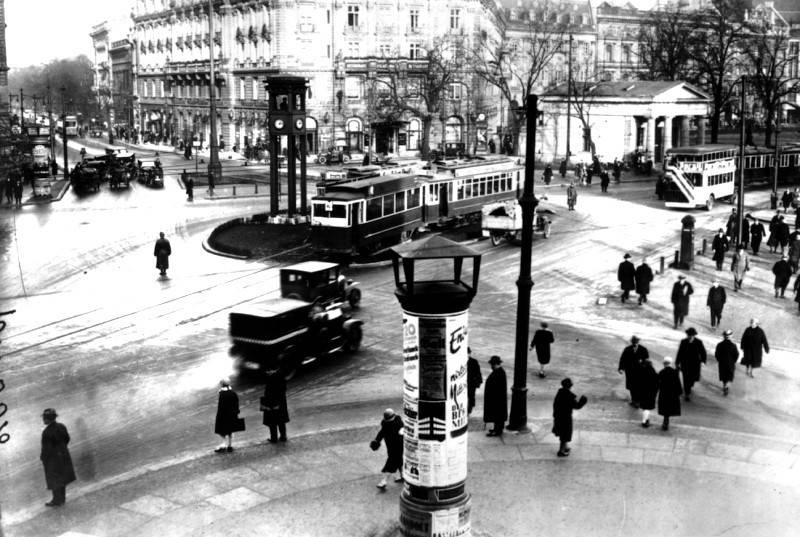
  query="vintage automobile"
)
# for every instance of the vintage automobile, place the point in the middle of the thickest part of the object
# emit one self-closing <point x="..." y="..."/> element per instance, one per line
<point x="289" y="334"/>
<point x="319" y="282"/>
<point x="339" y="154"/>
<point x="85" y="177"/>
<point x="503" y="220"/>
<point x="150" y="173"/>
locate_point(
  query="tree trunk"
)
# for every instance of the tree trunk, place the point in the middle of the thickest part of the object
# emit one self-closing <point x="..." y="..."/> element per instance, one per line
<point x="426" y="137"/>
<point x="715" y="116"/>
<point x="769" y="127"/>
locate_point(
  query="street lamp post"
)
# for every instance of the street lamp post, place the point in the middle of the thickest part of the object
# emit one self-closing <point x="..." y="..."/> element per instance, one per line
<point x="740" y="197"/>
<point x="518" y="417"/>
<point x="214" y="167"/>
<point x="64" y="131"/>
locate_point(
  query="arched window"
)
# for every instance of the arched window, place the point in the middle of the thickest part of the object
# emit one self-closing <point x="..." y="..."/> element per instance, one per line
<point x="626" y="53"/>
<point x="355" y="138"/>
<point x="311" y="135"/>
<point x="414" y="135"/>
<point x="609" y="52"/>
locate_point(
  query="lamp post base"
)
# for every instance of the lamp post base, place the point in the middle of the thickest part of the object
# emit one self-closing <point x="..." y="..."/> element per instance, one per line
<point x="518" y="418"/>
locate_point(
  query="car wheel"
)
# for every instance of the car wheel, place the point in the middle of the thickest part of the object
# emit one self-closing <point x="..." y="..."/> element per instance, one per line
<point x="354" y="298"/>
<point x="322" y="159"/>
<point x="345" y="159"/>
<point x="354" y="336"/>
<point x="710" y="202"/>
<point x="496" y="238"/>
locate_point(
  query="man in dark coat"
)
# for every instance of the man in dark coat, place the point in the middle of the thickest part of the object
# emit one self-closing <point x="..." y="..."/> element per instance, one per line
<point x="647" y="388"/>
<point x="630" y="362"/>
<point x="782" y="233"/>
<point x="731" y="227"/>
<point x="162" y="251"/>
<point x="669" y="393"/>
<point x="786" y="200"/>
<point x="392" y="433"/>
<point x="562" y="168"/>
<point x="772" y="240"/>
<point x="643" y="277"/>
<point x="719" y="246"/>
<point x="626" y="274"/>
<point x="541" y="341"/>
<point x="495" y="398"/>
<point x="563" y="405"/>
<point x="797" y="291"/>
<point x="783" y="273"/>
<point x="745" y="239"/>
<point x="273" y="405"/>
<point x="548" y="174"/>
<point x="617" y="171"/>
<point x="715" y="302"/>
<point x="754" y="340"/>
<point x="681" y="291"/>
<point x="227" y="421"/>
<point x="604" y="180"/>
<point x="726" y="354"/>
<point x="474" y="379"/>
<point x="757" y="232"/>
<point x="188" y="182"/>
<point x="691" y="354"/>
<point x="18" y="185"/>
<point x="58" y="469"/>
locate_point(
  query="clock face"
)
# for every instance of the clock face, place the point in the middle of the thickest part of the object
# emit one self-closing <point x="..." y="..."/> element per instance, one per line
<point x="278" y="123"/>
<point x="299" y="124"/>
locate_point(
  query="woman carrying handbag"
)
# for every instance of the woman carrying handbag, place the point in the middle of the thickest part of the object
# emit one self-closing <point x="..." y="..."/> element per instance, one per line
<point x="392" y="433"/>
<point x="228" y="420"/>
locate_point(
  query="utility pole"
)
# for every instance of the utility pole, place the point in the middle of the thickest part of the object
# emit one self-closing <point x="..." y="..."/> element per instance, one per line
<point x="777" y="153"/>
<point x="64" y="131"/>
<point x="214" y="167"/>
<point x="21" y="109"/>
<point x="50" y="121"/>
<point x="569" y="95"/>
<point x="740" y="197"/>
<point x="518" y="417"/>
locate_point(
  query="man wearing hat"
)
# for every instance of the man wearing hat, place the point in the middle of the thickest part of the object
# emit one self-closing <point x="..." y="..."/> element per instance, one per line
<point x="719" y="246"/>
<point x="715" y="302"/>
<point x="669" y="393"/>
<point x="757" y="233"/>
<point x="783" y="273"/>
<point x="740" y="264"/>
<point x="691" y="353"/>
<point x="563" y="405"/>
<point x="58" y="469"/>
<point x="541" y="341"/>
<point x="626" y="274"/>
<point x="630" y="362"/>
<point x="681" y="291"/>
<point x="753" y="341"/>
<point x="495" y="398"/>
<point x="644" y="275"/>
<point x="474" y="379"/>
<point x="726" y="354"/>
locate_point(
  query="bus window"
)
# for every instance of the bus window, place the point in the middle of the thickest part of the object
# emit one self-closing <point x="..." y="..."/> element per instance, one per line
<point x="400" y="202"/>
<point x="373" y="208"/>
<point x="695" y="178"/>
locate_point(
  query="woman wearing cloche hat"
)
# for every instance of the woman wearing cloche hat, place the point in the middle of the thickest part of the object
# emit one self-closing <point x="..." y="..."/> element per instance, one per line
<point x="726" y="354"/>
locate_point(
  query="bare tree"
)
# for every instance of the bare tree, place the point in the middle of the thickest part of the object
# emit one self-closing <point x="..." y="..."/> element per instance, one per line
<point x="516" y="57"/>
<point x="772" y="78"/>
<point x="716" y="52"/>
<point x="420" y="87"/>
<point x="664" y="45"/>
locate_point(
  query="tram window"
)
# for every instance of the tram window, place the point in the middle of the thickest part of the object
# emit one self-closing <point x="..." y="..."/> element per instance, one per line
<point x="329" y="210"/>
<point x="509" y="184"/>
<point x="489" y="186"/>
<point x="373" y="208"/>
<point x="468" y="188"/>
<point x="413" y="198"/>
<point x="400" y="201"/>
<point x="483" y="187"/>
<point x="388" y="205"/>
<point x="460" y="191"/>
<point x="784" y="161"/>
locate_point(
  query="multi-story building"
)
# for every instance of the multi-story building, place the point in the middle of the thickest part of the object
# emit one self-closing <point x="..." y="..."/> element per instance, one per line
<point x="102" y="70"/>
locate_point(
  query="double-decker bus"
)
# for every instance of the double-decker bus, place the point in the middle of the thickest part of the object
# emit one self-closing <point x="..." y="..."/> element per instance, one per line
<point x="366" y="215"/>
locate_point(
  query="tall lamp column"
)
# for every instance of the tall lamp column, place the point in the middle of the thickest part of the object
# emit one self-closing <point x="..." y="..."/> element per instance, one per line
<point x="64" y="131"/>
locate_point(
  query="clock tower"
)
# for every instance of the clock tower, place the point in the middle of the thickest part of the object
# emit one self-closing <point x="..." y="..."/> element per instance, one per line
<point x="287" y="117"/>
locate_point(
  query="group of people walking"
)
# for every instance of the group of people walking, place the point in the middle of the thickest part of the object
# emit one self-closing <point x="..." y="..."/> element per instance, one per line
<point x="11" y="188"/>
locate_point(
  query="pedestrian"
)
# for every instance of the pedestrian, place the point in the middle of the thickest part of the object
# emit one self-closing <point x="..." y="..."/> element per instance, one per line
<point x="58" y="469"/>
<point x="572" y="195"/>
<point x="719" y="246"/>
<point x="562" y="168"/>
<point x="740" y="264"/>
<point x="541" y="341"/>
<point x="273" y="405"/>
<point x="786" y="200"/>
<point x="563" y="405"/>
<point x="782" y="234"/>
<point x="630" y="362"/>
<point x="228" y="420"/>
<point x="9" y="189"/>
<point x="162" y="251"/>
<point x="681" y="291"/>
<point x="726" y="354"/>
<point x="647" y="388"/>
<point x="626" y="275"/>
<point x="604" y="180"/>
<point x="716" y="302"/>
<point x="187" y="152"/>
<point x="745" y="238"/>
<point x="691" y="355"/>
<point x="644" y="275"/>
<point x="772" y="240"/>
<point x="492" y="146"/>
<point x="189" y="183"/>
<point x="773" y="200"/>
<point x="548" y="173"/>
<point x="391" y="433"/>
<point x="669" y="393"/>
<point x="18" y="185"/>
<point x="783" y="273"/>
<point x="797" y="292"/>
<point x="794" y="250"/>
<point x="474" y="379"/>
<point x="753" y="342"/>
<point x="495" y="398"/>
<point x="731" y="227"/>
<point x="617" y="170"/>
<point x="757" y="233"/>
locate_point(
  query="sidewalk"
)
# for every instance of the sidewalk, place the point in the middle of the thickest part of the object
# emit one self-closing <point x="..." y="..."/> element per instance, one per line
<point x="619" y="480"/>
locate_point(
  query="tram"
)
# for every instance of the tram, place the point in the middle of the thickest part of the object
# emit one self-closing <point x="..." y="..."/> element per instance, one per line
<point x="701" y="175"/>
<point x="367" y="215"/>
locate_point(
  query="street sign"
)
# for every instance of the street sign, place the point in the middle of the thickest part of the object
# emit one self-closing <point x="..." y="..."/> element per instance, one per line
<point x="196" y="143"/>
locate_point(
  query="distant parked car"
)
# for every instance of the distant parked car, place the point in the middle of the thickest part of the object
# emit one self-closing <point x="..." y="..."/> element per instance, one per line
<point x="335" y="155"/>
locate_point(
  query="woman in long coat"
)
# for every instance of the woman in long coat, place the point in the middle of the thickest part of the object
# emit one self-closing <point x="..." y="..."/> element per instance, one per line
<point x="55" y="457"/>
<point x="227" y="421"/>
<point x="691" y="353"/>
<point x="563" y="405"/>
<point x="392" y="433"/>
<point x="495" y="397"/>
<point x="647" y="388"/>
<point x="669" y="393"/>
<point x="726" y="354"/>
<point x="739" y="265"/>
<point x="162" y="251"/>
<point x="273" y="405"/>
<point x="754" y="340"/>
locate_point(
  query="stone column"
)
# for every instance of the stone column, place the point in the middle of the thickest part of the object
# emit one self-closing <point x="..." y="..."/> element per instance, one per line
<point x="685" y="130"/>
<point x="651" y="137"/>
<point x="666" y="137"/>
<point x="701" y="130"/>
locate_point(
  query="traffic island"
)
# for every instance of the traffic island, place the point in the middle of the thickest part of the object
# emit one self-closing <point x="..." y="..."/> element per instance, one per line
<point x="260" y="235"/>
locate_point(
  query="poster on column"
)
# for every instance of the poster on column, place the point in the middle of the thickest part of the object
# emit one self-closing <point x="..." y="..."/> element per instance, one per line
<point x="435" y="399"/>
